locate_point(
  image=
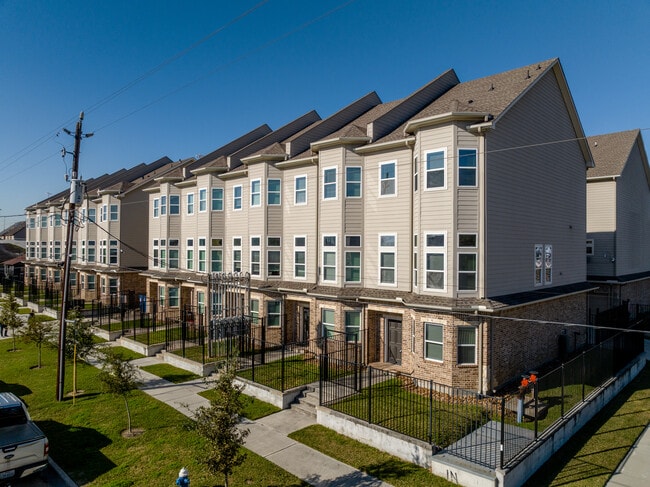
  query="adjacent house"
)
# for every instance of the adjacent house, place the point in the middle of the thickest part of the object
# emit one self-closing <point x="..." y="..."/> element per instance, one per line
<point x="618" y="220"/>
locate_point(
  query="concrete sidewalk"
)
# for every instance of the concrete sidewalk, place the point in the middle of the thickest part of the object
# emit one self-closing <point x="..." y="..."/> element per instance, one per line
<point x="268" y="435"/>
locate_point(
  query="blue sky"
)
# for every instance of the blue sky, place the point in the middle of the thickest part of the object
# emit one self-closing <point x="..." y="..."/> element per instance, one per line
<point x="198" y="74"/>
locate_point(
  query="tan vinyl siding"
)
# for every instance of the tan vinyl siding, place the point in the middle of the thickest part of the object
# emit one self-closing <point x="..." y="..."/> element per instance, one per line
<point x="535" y="193"/>
<point x="237" y="222"/>
<point x="633" y="218"/>
<point x="133" y="211"/>
<point x="601" y="226"/>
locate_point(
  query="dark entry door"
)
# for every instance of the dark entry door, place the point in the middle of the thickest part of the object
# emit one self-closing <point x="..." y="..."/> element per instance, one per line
<point x="394" y="331"/>
<point x="304" y="325"/>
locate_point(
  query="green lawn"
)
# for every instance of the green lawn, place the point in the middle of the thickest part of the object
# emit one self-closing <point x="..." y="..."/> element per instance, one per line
<point x="253" y="408"/>
<point x="91" y="430"/>
<point x="367" y="459"/>
<point x="592" y="455"/>
<point x="171" y="373"/>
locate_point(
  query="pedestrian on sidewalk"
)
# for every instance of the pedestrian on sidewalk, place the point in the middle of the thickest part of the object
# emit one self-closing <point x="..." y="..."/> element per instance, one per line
<point x="183" y="479"/>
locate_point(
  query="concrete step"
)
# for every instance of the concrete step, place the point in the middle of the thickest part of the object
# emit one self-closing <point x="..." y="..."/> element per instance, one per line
<point x="307" y="402"/>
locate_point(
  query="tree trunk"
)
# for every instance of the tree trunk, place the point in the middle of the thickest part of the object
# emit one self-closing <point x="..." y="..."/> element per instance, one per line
<point x="128" y="413"/>
<point x="39" y="355"/>
<point x="225" y="483"/>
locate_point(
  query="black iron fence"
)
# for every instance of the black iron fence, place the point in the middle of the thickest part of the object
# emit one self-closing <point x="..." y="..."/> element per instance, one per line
<point x="492" y="431"/>
<point x="44" y="293"/>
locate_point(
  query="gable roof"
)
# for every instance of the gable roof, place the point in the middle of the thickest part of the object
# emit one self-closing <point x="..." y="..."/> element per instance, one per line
<point x="611" y="152"/>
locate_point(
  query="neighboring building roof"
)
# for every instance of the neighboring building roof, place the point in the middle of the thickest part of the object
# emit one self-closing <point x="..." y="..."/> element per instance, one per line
<point x="611" y="152"/>
<point x="14" y="229"/>
<point x="16" y="260"/>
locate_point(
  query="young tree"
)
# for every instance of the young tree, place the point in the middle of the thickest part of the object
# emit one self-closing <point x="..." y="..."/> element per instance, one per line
<point x="78" y="333"/>
<point x="38" y="331"/>
<point x="9" y="315"/>
<point x="219" y="424"/>
<point x="119" y="377"/>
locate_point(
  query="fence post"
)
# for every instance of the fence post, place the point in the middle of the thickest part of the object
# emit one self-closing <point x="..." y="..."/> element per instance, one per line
<point x="502" y="445"/>
<point x="535" y="391"/>
<point x="430" y="426"/>
<point x="282" y="366"/>
<point x="562" y="390"/>
<point x="357" y="385"/>
<point x="584" y="375"/>
<point x="369" y="395"/>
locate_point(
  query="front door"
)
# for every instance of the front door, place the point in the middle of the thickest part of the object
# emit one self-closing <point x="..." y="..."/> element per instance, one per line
<point x="394" y="333"/>
<point x="303" y="323"/>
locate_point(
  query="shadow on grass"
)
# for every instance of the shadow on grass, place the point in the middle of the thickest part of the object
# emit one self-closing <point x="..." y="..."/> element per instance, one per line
<point x="77" y="450"/>
<point x="390" y="469"/>
<point x="18" y="389"/>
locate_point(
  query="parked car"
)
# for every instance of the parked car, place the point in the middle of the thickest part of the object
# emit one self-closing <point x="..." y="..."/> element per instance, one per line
<point x="24" y="446"/>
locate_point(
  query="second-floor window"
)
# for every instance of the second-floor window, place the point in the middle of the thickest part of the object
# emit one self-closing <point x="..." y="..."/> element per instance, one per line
<point x="467" y="262"/>
<point x="156" y="208"/>
<point x="299" y="257"/>
<point x="163" y="205"/>
<point x="435" y="162"/>
<point x="353" y="258"/>
<point x="173" y="260"/>
<point x="202" y="254"/>
<point x="236" y="254"/>
<point x="203" y="200"/>
<point x="91" y="251"/>
<point x="217" y="199"/>
<point x="329" y="258"/>
<point x="387" y="252"/>
<point x="216" y="255"/>
<point x="189" y="254"/>
<point x="435" y="261"/>
<point x="114" y="213"/>
<point x="273" y="257"/>
<point x="190" y="203"/>
<point x="113" y="252"/>
<point x="256" y="255"/>
<point x="92" y="214"/>
<point x="156" y="253"/>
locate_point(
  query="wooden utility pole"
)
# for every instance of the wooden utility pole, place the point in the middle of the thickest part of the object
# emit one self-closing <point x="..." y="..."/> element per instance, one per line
<point x="76" y="197"/>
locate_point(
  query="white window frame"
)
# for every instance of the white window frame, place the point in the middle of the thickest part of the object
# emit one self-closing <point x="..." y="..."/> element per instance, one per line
<point x="461" y="253"/>
<point x="163" y="206"/>
<point x="173" y="259"/>
<point x="189" y="254"/>
<point x="189" y="203"/>
<point x="276" y="312"/>
<point x="256" y="194"/>
<point x="273" y="257"/>
<point x="357" y="250"/>
<point x="203" y="200"/>
<point x="299" y="191"/>
<point x="202" y="255"/>
<point x="113" y="252"/>
<point x="236" y="263"/>
<point x="334" y="184"/>
<point x="460" y="345"/>
<point x="355" y="183"/>
<point x="256" y="246"/>
<point x="393" y="250"/>
<point x="327" y="250"/>
<point x="427" y="170"/>
<point x="590" y="246"/>
<point x="473" y="169"/>
<point x="300" y="249"/>
<point x="237" y="200"/>
<point x="383" y="180"/>
<point x="328" y="328"/>
<point x="431" y="341"/>
<point x="216" y="199"/>
<point x="352" y="329"/>
<point x="275" y="193"/>
<point x="435" y="249"/>
<point x="174" y="204"/>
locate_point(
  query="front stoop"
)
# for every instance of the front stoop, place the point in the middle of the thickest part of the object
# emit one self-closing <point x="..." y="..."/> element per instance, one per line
<point x="307" y="401"/>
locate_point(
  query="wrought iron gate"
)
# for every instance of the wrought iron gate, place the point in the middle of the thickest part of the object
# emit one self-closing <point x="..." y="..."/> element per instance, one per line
<point x="229" y="317"/>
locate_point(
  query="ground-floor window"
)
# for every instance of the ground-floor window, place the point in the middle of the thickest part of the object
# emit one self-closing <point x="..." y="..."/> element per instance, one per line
<point x="352" y="325"/>
<point x="273" y="313"/>
<point x="327" y="320"/>
<point x="433" y="341"/>
<point x="466" y="345"/>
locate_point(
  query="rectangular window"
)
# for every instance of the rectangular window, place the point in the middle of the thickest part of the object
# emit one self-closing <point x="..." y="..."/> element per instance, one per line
<point x="435" y="261"/>
<point x="467" y="167"/>
<point x="387" y="252"/>
<point x="329" y="183"/>
<point x="543" y="264"/>
<point x="43" y="221"/>
<point x="387" y="179"/>
<point x="467" y="263"/>
<point x="236" y="254"/>
<point x="112" y="285"/>
<point x="436" y="169"/>
<point x="91" y="282"/>
<point x="163" y="205"/>
<point x="466" y="345"/>
<point x="203" y="200"/>
<point x="216" y="260"/>
<point x="299" y="257"/>
<point x="236" y="197"/>
<point x="273" y="257"/>
<point x="173" y="297"/>
<point x="174" y="204"/>
<point x="254" y="306"/>
<point x="91" y="251"/>
<point x="548" y="264"/>
<point x="155" y="253"/>
<point x="273" y="313"/>
<point x="217" y="199"/>
<point x="202" y="255"/>
<point x="415" y="260"/>
<point x="113" y="252"/>
<point x="327" y="322"/>
<point x="256" y="192"/>
<point x="353" y="182"/>
<point x="161" y="296"/>
<point x="590" y="247"/>
<point x="190" y="203"/>
<point x="114" y="214"/>
<point x="102" y="251"/>
<point x="189" y="254"/>
<point x="352" y="325"/>
<point x="57" y="220"/>
<point x="352" y="259"/>
<point x="173" y="255"/>
<point x="200" y="302"/>
<point x="43" y="250"/>
<point x="416" y="169"/>
<point x="433" y="342"/>
<point x="256" y="256"/>
<point x="92" y="214"/>
<point x="300" y="190"/>
<point x="273" y="192"/>
<point x="57" y="250"/>
<point x="329" y="258"/>
<point x="73" y="251"/>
